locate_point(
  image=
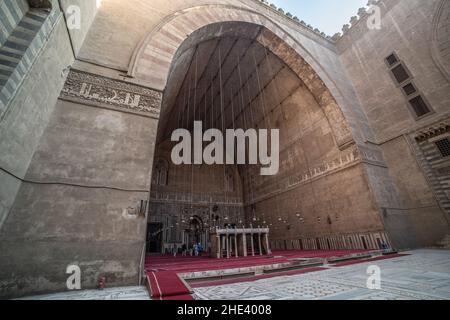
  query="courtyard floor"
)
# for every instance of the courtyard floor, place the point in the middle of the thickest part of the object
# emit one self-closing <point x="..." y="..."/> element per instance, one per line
<point x="422" y="275"/>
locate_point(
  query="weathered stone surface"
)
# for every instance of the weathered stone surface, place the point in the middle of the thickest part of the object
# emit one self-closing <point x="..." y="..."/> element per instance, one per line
<point x="420" y="205"/>
<point x="29" y="113"/>
<point x="422" y="275"/>
<point x="88" y="11"/>
<point x="89" y="88"/>
<point x="357" y="168"/>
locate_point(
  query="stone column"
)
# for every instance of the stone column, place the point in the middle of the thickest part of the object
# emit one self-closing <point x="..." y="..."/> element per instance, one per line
<point x="267" y="244"/>
<point x="219" y="252"/>
<point x="228" y="245"/>
<point x="253" y="245"/>
<point x="244" y="243"/>
<point x="259" y="243"/>
<point x="236" y="245"/>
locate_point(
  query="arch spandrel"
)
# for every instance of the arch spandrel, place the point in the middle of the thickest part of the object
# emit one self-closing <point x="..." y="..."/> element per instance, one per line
<point x="441" y="32"/>
<point x="157" y="49"/>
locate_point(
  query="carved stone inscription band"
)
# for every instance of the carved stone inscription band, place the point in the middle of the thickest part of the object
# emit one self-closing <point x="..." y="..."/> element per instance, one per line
<point x="105" y="92"/>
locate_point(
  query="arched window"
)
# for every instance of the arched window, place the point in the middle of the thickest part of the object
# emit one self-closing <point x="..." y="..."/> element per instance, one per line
<point x="161" y="173"/>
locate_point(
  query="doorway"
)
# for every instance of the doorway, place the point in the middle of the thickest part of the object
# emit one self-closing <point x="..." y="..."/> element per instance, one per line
<point x="364" y="243"/>
<point x="195" y="231"/>
<point x="154" y="237"/>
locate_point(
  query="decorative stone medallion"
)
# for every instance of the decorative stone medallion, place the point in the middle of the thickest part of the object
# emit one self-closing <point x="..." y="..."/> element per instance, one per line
<point x="85" y="87"/>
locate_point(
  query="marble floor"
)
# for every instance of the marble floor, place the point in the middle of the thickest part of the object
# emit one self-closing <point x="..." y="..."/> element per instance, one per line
<point x="423" y="275"/>
<point x="125" y="293"/>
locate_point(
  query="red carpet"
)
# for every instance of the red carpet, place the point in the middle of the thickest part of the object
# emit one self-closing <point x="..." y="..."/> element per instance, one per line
<point x="254" y="278"/>
<point x="191" y="264"/>
<point x="349" y="263"/>
<point x="166" y="285"/>
<point x="201" y="264"/>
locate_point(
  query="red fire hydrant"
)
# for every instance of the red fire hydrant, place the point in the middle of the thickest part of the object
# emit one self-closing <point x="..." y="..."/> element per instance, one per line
<point x="101" y="283"/>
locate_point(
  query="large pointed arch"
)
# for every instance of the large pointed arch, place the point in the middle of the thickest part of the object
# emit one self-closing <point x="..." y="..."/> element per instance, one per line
<point x="440" y="34"/>
<point x="153" y="58"/>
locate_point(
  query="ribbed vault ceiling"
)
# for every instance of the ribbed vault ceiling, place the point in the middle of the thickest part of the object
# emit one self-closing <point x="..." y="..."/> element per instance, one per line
<point x="218" y="78"/>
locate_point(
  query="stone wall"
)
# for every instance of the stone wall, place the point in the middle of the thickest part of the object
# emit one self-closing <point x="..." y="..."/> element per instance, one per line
<point x="320" y="189"/>
<point x="89" y="173"/>
<point x="415" y="217"/>
<point x="88" y="11"/>
<point x="21" y="126"/>
<point x="200" y="190"/>
<point x="406" y="27"/>
<point x="11" y="12"/>
<point x="28" y="113"/>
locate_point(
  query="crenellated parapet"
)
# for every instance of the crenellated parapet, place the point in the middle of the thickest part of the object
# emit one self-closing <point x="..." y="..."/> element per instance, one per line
<point x="295" y="19"/>
<point x="363" y="14"/>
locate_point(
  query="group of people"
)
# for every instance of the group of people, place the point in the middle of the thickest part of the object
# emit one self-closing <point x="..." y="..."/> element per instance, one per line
<point x="196" y="250"/>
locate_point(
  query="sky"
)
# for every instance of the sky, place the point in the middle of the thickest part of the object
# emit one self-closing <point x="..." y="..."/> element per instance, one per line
<point x="327" y="15"/>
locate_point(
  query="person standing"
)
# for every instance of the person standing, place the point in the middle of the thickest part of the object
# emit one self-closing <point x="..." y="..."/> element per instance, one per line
<point x="195" y="249"/>
<point x="200" y="249"/>
<point x="175" y="250"/>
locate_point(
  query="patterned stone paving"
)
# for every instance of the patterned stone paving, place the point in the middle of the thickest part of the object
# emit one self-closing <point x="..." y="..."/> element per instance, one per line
<point x="425" y="275"/>
<point x="125" y="293"/>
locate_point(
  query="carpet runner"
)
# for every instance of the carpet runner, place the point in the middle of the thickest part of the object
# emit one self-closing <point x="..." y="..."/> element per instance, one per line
<point x="167" y="285"/>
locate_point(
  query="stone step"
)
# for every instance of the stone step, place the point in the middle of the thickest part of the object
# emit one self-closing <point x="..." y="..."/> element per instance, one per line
<point x="445" y="243"/>
<point x="292" y="265"/>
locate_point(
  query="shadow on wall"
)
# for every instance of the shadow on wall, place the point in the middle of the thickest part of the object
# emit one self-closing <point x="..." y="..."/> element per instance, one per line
<point x="43" y="4"/>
